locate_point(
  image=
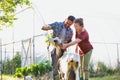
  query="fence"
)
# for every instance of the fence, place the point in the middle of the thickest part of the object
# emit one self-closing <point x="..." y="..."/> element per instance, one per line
<point x="34" y="50"/>
<point x="31" y="52"/>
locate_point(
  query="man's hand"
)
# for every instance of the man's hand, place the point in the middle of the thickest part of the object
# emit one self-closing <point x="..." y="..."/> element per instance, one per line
<point x="46" y="28"/>
<point x="64" y="46"/>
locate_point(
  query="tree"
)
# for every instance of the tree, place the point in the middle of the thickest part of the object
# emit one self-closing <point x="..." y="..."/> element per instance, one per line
<point x="8" y="7"/>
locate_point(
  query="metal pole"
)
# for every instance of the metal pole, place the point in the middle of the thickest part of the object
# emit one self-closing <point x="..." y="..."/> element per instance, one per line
<point x="13" y="51"/>
<point x="34" y="61"/>
<point x="1" y="59"/>
<point x="118" y="63"/>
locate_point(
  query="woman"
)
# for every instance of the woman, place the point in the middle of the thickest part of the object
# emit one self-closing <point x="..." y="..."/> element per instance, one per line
<point x="82" y="41"/>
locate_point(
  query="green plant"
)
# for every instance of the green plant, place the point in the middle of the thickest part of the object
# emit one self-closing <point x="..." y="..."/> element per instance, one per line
<point x="101" y="67"/>
<point x="10" y="65"/>
<point x="36" y="70"/>
<point x="22" y="72"/>
<point x="9" y="10"/>
<point x="48" y="38"/>
<point x="7" y="65"/>
<point x="18" y="73"/>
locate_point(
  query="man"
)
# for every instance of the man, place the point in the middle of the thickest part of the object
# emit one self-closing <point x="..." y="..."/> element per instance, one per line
<point x="63" y="31"/>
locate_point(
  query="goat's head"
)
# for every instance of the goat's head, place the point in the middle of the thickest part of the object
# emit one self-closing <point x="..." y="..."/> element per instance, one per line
<point x="57" y="43"/>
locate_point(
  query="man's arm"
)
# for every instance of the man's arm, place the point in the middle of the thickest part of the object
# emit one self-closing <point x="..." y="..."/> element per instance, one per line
<point x="46" y="28"/>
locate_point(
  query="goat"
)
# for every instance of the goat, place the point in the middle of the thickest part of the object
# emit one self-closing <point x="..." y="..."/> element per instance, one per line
<point x="68" y="63"/>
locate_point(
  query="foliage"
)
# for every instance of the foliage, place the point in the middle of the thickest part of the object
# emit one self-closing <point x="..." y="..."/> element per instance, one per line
<point x="8" y="65"/>
<point x="22" y="72"/>
<point x="36" y="70"/>
<point x="102" y="70"/>
<point x="48" y="38"/>
<point x="41" y="68"/>
<point x="44" y="67"/>
<point x="9" y="10"/>
<point x="101" y="67"/>
<point x="91" y="68"/>
<point x="113" y="77"/>
<point x="25" y="71"/>
<point x="17" y="60"/>
<point x="110" y="71"/>
<point x="18" y="72"/>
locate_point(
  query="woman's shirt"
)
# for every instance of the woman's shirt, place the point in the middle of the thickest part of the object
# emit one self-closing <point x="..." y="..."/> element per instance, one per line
<point x="85" y="44"/>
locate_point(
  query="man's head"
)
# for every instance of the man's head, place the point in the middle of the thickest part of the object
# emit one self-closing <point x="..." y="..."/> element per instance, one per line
<point x="69" y="21"/>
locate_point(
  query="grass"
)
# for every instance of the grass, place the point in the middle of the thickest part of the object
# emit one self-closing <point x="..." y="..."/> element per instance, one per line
<point x="114" y="77"/>
<point x="9" y="77"/>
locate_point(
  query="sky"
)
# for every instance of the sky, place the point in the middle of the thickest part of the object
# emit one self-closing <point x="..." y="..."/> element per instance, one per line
<point x="101" y="19"/>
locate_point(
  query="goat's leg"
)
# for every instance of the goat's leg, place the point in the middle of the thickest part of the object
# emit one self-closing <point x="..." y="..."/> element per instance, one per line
<point x="54" y="62"/>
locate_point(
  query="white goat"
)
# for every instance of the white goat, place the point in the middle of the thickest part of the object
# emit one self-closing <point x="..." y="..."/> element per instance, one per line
<point x="68" y="64"/>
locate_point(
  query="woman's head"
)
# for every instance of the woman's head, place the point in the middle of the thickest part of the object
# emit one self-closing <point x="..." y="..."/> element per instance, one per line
<point x="78" y="24"/>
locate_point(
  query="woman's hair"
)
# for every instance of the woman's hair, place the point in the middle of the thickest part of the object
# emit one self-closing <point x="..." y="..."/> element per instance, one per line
<point x="79" y="21"/>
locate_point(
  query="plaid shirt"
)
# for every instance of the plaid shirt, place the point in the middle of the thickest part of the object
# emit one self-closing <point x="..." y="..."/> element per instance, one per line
<point x="58" y="27"/>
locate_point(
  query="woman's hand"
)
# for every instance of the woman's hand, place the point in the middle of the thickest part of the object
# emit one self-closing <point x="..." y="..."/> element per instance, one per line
<point x="81" y="53"/>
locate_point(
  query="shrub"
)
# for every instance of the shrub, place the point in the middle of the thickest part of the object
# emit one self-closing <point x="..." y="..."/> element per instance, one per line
<point x="36" y="70"/>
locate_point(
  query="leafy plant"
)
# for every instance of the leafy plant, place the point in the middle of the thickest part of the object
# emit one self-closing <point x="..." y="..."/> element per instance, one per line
<point x="48" y="38"/>
<point x="18" y="73"/>
<point x="36" y="70"/>
<point x="8" y="7"/>
<point x="10" y="65"/>
<point x="22" y="72"/>
<point x="7" y="67"/>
